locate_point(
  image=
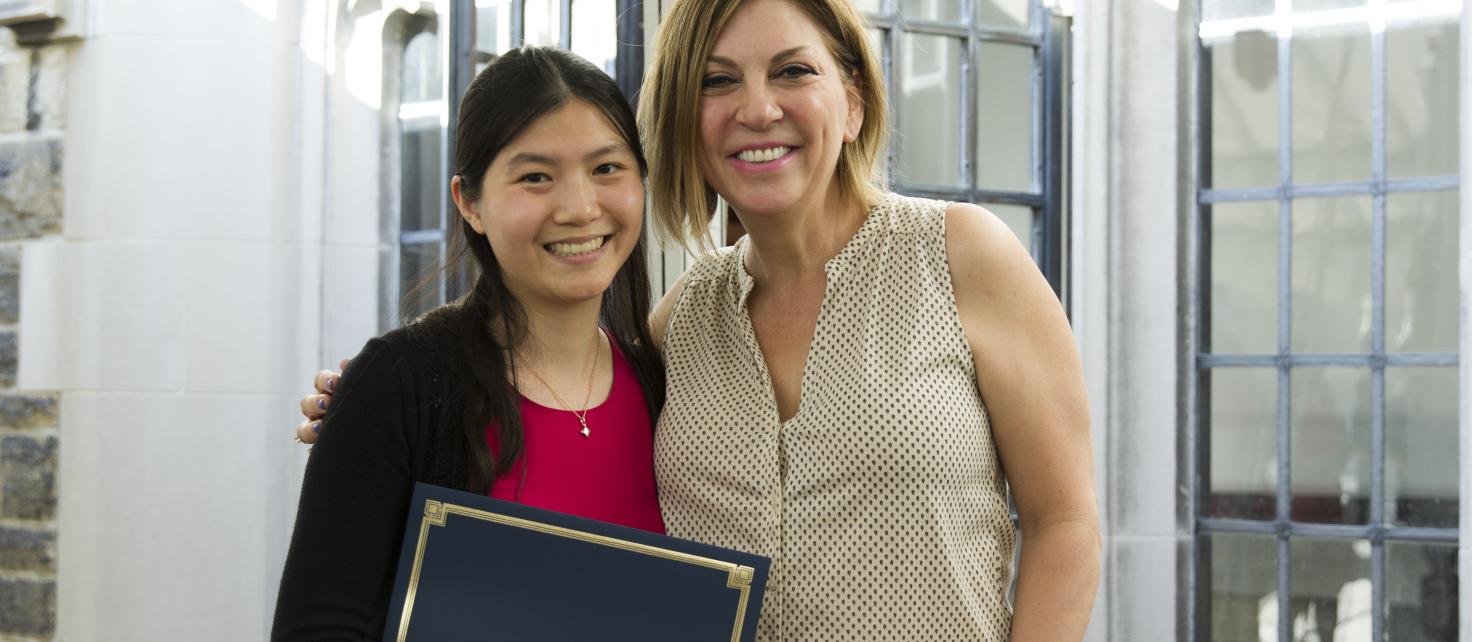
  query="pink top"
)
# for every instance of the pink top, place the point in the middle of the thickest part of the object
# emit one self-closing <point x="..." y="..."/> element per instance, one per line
<point x="607" y="476"/>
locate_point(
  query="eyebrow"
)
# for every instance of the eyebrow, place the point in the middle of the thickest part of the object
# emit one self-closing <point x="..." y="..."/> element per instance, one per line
<point x="785" y="53"/>
<point x="533" y="158"/>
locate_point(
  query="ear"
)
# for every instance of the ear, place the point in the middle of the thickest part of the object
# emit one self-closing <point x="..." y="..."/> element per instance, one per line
<point x="466" y="207"/>
<point x="855" y="120"/>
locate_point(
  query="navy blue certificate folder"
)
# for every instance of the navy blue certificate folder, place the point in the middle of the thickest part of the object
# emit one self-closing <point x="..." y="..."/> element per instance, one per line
<point x="476" y="568"/>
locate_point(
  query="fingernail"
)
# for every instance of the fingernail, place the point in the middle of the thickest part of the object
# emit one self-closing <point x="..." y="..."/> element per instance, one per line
<point x="321" y="403"/>
<point x="316" y="427"/>
<point x="332" y="384"/>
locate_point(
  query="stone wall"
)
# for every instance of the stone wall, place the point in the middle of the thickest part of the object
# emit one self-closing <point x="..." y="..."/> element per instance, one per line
<point x="32" y="113"/>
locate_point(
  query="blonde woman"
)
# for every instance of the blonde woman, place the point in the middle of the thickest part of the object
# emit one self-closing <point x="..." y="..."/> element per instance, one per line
<point x="854" y="388"/>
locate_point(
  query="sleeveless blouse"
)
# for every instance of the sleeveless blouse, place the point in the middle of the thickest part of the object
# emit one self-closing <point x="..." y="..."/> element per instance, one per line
<point x="607" y="476"/>
<point x="881" y="502"/>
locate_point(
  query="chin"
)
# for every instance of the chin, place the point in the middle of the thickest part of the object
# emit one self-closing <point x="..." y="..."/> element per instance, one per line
<point x="582" y="292"/>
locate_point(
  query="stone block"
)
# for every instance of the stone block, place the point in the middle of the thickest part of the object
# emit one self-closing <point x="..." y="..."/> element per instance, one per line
<point x="8" y="359"/>
<point x="27" y="606"/>
<point x="30" y="188"/>
<point x="30" y="550"/>
<point x="15" y="84"/>
<point x="28" y="477"/>
<point x="47" y="106"/>
<point x="9" y="285"/>
<point x="28" y="411"/>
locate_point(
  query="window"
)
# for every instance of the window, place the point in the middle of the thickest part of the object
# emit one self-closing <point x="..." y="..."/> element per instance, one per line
<point x="416" y="202"/>
<point x="1327" y="472"/>
<point x="977" y="91"/>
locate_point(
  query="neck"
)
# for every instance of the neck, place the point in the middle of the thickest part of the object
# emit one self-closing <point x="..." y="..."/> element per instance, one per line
<point x="797" y="244"/>
<point x="560" y="337"/>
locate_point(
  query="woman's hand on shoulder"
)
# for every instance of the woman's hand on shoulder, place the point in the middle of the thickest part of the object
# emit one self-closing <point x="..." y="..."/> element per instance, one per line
<point x="314" y="406"/>
<point x="1027" y="368"/>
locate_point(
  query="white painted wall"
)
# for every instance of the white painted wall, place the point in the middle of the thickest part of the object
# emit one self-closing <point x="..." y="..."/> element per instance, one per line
<point x="220" y="244"/>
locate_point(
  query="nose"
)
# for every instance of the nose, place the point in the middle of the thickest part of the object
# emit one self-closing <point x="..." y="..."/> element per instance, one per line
<point x="759" y="107"/>
<point x="577" y="202"/>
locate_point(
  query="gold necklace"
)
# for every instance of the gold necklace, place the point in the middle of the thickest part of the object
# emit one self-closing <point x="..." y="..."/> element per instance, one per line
<point x="592" y="370"/>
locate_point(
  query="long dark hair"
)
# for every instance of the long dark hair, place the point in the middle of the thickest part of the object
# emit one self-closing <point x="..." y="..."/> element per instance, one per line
<point x="521" y="86"/>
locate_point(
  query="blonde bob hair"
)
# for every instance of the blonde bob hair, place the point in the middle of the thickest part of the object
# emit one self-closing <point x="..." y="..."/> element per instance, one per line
<point x="669" y="110"/>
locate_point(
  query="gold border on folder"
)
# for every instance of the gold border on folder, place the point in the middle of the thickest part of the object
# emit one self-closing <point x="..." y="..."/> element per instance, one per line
<point x="435" y="513"/>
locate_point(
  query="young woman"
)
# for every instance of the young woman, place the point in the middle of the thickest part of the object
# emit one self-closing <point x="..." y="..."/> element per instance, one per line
<point x="859" y="383"/>
<point x="538" y="386"/>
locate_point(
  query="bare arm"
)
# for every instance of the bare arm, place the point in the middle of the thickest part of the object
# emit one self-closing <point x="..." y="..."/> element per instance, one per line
<point x="659" y="319"/>
<point x="1031" y="380"/>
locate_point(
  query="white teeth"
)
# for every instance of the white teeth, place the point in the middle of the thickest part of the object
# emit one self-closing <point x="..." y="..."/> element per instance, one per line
<point x="574" y="249"/>
<point x="763" y="155"/>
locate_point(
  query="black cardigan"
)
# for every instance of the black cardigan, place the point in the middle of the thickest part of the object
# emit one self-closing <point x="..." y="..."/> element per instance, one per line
<point x="393" y="421"/>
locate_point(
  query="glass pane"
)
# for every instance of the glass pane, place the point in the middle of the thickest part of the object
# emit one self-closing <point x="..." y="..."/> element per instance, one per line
<point x="493" y="25"/>
<point x="1421" y="291"/>
<point x="1004" y="13"/>
<point x="1421" y="124"/>
<point x="1244" y="587"/>
<point x="543" y="22"/>
<point x="1331" y="275"/>
<point x="594" y="32"/>
<point x="1420" y="592"/>
<point x="1244" y="110"/>
<point x="1303" y="6"/>
<point x="947" y="10"/>
<point x="1222" y="9"/>
<point x="868" y="6"/>
<point x="1244" y="278"/>
<point x="416" y="264"/>
<point x="1330" y="598"/>
<point x="420" y="79"/>
<point x="930" y="110"/>
<point x="419" y="167"/>
<point x="1330" y="422"/>
<point x="1018" y="218"/>
<point x="1244" y="443"/>
<point x="1331" y="104"/>
<point x="1421" y="467"/>
<point x="1004" y="119"/>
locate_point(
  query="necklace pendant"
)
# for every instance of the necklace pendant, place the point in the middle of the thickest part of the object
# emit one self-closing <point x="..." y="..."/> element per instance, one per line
<point x="584" y="422"/>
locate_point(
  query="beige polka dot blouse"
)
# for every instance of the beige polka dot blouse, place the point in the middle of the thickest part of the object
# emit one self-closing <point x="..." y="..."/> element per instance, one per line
<point x="881" y="502"/>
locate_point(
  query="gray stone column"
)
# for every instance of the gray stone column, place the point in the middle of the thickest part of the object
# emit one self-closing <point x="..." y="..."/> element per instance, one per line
<point x="32" y="109"/>
<point x="1132" y="195"/>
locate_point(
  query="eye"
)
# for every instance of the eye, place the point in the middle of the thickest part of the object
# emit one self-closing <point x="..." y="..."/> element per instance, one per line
<point x="534" y="178"/>
<point x="607" y="168"/>
<point x="796" y="71"/>
<point x="717" y="81"/>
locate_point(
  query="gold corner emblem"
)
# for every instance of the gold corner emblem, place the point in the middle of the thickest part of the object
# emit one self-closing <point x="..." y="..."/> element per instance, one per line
<point x="434" y="512"/>
<point x="741" y="577"/>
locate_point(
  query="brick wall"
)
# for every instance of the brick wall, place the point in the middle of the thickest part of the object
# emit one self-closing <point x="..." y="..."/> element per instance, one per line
<point x="32" y="113"/>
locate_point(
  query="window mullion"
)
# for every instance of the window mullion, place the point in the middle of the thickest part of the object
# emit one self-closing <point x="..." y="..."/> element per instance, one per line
<point x="564" y="28"/>
<point x="1377" y="323"/>
<point x="1285" y="317"/>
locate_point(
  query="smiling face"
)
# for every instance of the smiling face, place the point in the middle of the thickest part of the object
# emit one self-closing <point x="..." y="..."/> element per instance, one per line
<point x="561" y="205"/>
<point x="775" y="111"/>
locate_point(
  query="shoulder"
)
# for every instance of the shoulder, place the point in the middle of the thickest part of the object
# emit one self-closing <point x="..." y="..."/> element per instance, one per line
<point x="716" y="264"/>
<point x="992" y="274"/>
<point x="981" y="248"/>
<point x="409" y="353"/>
<point x="712" y="267"/>
<point x="911" y="215"/>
